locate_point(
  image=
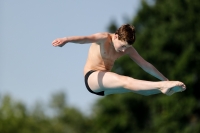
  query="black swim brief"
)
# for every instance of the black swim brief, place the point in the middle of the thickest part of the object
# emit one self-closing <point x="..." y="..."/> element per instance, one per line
<point x="87" y="86"/>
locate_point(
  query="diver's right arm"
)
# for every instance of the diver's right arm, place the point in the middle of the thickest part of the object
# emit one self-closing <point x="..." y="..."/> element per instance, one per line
<point x="94" y="38"/>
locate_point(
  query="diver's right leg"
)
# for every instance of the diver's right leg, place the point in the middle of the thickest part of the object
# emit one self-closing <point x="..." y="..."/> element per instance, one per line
<point x="112" y="83"/>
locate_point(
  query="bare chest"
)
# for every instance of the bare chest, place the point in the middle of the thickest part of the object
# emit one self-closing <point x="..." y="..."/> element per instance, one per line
<point x="108" y="53"/>
<point x="102" y="57"/>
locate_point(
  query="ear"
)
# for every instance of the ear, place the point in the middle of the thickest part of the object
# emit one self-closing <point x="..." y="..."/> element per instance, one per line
<point x="116" y="36"/>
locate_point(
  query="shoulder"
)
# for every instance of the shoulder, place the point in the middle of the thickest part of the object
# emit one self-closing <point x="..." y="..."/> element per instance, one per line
<point x="130" y="51"/>
<point x="100" y="37"/>
<point x="134" y="55"/>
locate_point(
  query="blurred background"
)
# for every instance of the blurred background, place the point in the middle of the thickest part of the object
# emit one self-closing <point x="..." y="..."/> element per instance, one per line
<point x="42" y="87"/>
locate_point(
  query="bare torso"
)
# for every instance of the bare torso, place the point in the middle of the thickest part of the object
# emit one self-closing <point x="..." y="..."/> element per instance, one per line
<point x="101" y="57"/>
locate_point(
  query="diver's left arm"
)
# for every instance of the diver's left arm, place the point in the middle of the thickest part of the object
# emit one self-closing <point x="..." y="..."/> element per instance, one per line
<point x="146" y="66"/>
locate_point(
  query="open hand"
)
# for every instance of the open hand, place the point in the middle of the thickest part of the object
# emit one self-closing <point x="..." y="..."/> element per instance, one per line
<point x="59" y="42"/>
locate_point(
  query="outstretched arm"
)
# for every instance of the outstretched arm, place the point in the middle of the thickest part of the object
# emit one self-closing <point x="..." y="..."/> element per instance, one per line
<point x="146" y="66"/>
<point x="94" y="38"/>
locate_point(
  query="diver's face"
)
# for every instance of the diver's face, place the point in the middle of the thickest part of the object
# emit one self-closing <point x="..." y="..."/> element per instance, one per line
<point x="120" y="46"/>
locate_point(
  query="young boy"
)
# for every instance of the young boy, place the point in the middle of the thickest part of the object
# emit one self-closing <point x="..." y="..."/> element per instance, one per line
<point x="104" y="50"/>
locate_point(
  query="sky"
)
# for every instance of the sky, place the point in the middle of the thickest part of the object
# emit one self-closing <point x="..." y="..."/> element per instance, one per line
<point x="31" y="69"/>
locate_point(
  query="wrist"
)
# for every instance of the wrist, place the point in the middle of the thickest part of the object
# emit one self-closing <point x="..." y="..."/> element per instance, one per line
<point x="65" y="39"/>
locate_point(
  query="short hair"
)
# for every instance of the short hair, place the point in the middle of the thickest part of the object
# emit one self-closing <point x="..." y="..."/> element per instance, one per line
<point x="126" y="33"/>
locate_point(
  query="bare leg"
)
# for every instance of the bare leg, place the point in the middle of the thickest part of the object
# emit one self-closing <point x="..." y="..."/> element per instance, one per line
<point x="113" y="83"/>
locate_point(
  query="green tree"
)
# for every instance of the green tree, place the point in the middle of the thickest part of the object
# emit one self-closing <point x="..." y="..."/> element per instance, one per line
<point x="68" y="119"/>
<point x="16" y="118"/>
<point x="121" y="113"/>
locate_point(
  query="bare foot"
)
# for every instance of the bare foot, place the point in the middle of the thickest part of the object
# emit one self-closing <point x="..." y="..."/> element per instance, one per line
<point x="171" y="87"/>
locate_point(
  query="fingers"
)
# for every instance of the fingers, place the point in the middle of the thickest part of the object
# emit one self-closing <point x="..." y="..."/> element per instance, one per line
<point x="56" y="42"/>
<point x="182" y="87"/>
<point x="173" y="90"/>
<point x="59" y="42"/>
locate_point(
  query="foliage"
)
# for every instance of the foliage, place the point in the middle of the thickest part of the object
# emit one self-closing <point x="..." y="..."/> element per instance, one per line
<point x="16" y="118"/>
